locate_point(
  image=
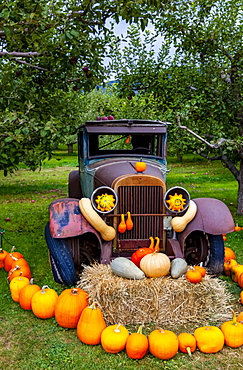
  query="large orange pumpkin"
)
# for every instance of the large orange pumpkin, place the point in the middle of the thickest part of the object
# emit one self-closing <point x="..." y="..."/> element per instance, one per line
<point x="26" y="295"/>
<point x="43" y="302"/>
<point x="91" y="324"/>
<point x="163" y="344"/>
<point x="233" y="332"/>
<point x="10" y="258"/>
<point x="69" y="307"/>
<point x="16" y="285"/>
<point x="229" y="254"/>
<point x="240" y="280"/>
<point x="235" y="272"/>
<point x="19" y="271"/>
<point x="210" y="339"/>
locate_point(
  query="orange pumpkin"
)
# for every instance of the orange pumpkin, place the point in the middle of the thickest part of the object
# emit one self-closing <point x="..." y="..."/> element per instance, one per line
<point x="114" y="338"/>
<point x="228" y="266"/>
<point x="193" y="276"/>
<point x="241" y="297"/>
<point x="19" y="271"/>
<point x="240" y="280"/>
<point x="91" y="324"/>
<point x="19" y="262"/>
<point x="210" y="339"/>
<point x="233" y="332"/>
<point x="137" y="344"/>
<point x="16" y="285"/>
<point x="235" y="272"/>
<point x="163" y="344"/>
<point x="187" y="343"/>
<point x="141" y="252"/>
<point x="43" y="302"/>
<point x="237" y="228"/>
<point x="201" y="269"/>
<point x="10" y="258"/>
<point x="229" y="254"/>
<point x="69" y="306"/>
<point x="240" y="317"/>
<point x="140" y="166"/>
<point x="26" y="295"/>
<point x="3" y="254"/>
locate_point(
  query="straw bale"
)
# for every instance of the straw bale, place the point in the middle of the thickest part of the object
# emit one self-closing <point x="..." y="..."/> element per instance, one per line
<point x="162" y="301"/>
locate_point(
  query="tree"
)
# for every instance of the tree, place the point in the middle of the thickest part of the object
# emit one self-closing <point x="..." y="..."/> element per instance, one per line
<point x="50" y="51"/>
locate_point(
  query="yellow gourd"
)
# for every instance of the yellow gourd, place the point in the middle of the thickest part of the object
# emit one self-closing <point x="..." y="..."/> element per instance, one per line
<point x="179" y="223"/>
<point x="107" y="232"/>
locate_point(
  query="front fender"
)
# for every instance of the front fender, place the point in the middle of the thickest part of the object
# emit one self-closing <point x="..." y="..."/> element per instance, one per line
<point x="212" y="217"/>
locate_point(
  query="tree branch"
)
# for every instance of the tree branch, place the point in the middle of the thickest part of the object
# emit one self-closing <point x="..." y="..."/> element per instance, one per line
<point x="19" y="54"/>
<point x="29" y="64"/>
<point x="214" y="146"/>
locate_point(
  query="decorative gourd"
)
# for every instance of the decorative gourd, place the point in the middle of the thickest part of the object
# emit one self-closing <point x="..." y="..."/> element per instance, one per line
<point x="210" y="339"/>
<point x="201" y="269"/>
<point x="228" y="266"/>
<point x="43" y="302"/>
<point x="155" y="264"/>
<point x="122" y="225"/>
<point x="179" y="223"/>
<point x="125" y="268"/>
<point x="19" y="271"/>
<point x="141" y="252"/>
<point x="137" y="344"/>
<point x="193" y="276"/>
<point x="187" y="343"/>
<point x="233" y="332"/>
<point x="69" y="306"/>
<point x="178" y="267"/>
<point x="26" y="295"/>
<point x="107" y="232"/>
<point x="16" y="285"/>
<point x="229" y="254"/>
<point x="235" y="272"/>
<point x="114" y="338"/>
<point x="129" y="222"/>
<point x="91" y="324"/>
<point x="163" y="344"/>
<point x="3" y="254"/>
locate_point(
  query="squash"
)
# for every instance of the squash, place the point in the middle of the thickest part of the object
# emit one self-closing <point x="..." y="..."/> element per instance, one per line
<point x="137" y="344"/>
<point x="129" y="222"/>
<point x="122" y="225"/>
<point x="178" y="267"/>
<point x="179" y="223"/>
<point x="155" y="264"/>
<point x="187" y="343"/>
<point x="125" y="268"/>
<point x="107" y="232"/>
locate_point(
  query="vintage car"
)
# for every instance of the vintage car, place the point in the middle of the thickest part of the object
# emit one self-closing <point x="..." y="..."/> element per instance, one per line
<point x="108" y="152"/>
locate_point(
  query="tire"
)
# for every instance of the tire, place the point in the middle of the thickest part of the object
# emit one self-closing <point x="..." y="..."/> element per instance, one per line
<point x="74" y="187"/>
<point x="61" y="260"/>
<point x="215" y="264"/>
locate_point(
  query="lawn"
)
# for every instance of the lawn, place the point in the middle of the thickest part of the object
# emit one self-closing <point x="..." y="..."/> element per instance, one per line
<point x="27" y="342"/>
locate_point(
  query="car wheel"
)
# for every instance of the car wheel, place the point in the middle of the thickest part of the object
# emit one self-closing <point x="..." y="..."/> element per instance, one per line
<point x="215" y="264"/>
<point x="61" y="259"/>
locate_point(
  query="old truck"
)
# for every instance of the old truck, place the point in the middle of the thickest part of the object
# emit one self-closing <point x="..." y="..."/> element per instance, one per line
<point x="108" y="152"/>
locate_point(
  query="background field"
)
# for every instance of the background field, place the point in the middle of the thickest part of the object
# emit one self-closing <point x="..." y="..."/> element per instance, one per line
<point x="27" y="342"/>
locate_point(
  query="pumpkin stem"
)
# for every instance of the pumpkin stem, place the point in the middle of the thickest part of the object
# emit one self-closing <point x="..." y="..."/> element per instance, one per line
<point x="43" y="289"/>
<point x="234" y="321"/>
<point x="151" y="242"/>
<point x="74" y="291"/>
<point x="189" y="351"/>
<point x="161" y="330"/>
<point x="140" y="329"/>
<point x="93" y="305"/>
<point x="117" y="330"/>
<point x="156" y="248"/>
<point x="31" y="281"/>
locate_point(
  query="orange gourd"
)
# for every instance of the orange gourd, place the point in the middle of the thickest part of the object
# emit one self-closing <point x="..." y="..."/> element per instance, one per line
<point x="114" y="338"/>
<point x="229" y="254"/>
<point x="193" y="276"/>
<point x="43" y="302"/>
<point x="26" y="295"/>
<point x="163" y="344"/>
<point x="210" y="339"/>
<point x="228" y="265"/>
<point x="129" y="222"/>
<point x="122" y="225"/>
<point x="16" y="285"/>
<point x="69" y="306"/>
<point x="91" y="324"/>
<point x="187" y="343"/>
<point x="137" y="344"/>
<point x="233" y="332"/>
<point x="3" y="254"/>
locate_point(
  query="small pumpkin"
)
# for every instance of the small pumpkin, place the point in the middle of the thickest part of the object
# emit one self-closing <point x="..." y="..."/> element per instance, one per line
<point x="233" y="332"/>
<point x="201" y="269"/>
<point x="69" y="306"/>
<point x="241" y="297"/>
<point x="26" y="295"/>
<point x="240" y="280"/>
<point x="10" y="258"/>
<point x="228" y="266"/>
<point x="210" y="339"/>
<point x="91" y="324"/>
<point x="155" y="264"/>
<point x="122" y="225"/>
<point x="229" y="254"/>
<point x="237" y="228"/>
<point x="43" y="303"/>
<point x="193" y="276"/>
<point x="16" y="285"/>
<point x="125" y="268"/>
<point x="19" y="262"/>
<point x="187" y="343"/>
<point x="3" y="254"/>
<point x="114" y="338"/>
<point x="137" y="344"/>
<point x="129" y="222"/>
<point x="141" y="252"/>
<point x="235" y="272"/>
<point x="240" y="317"/>
<point x="140" y="166"/>
<point x="163" y="344"/>
<point x="178" y="267"/>
<point x="19" y="271"/>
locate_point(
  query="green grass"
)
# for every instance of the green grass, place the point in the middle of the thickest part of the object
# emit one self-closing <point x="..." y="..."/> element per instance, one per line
<point x="27" y="342"/>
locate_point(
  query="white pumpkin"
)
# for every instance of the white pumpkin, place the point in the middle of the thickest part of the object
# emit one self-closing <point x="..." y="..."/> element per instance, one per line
<point x="155" y="264"/>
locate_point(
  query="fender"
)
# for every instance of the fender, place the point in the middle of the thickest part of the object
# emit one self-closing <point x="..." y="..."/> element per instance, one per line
<point x="212" y="217"/>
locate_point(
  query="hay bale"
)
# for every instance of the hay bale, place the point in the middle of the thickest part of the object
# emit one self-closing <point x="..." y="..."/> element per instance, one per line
<point x="163" y="301"/>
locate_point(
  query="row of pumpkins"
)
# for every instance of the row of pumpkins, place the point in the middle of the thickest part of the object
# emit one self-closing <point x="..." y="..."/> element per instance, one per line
<point x="71" y="310"/>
